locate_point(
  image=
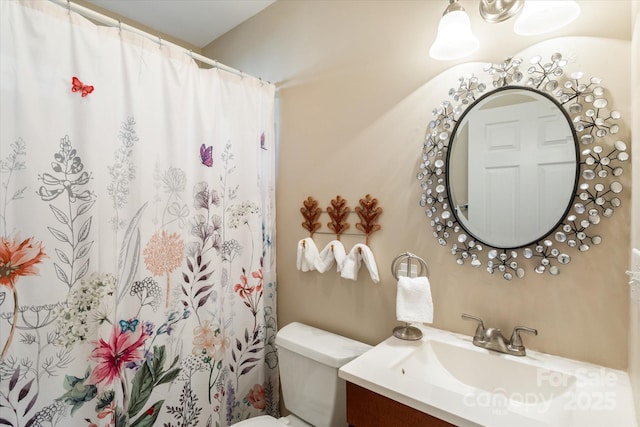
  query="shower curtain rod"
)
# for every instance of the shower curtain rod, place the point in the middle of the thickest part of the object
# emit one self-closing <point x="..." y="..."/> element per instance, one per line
<point x="111" y="22"/>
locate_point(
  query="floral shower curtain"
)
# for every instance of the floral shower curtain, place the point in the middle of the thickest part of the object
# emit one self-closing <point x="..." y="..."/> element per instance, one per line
<point x="137" y="218"/>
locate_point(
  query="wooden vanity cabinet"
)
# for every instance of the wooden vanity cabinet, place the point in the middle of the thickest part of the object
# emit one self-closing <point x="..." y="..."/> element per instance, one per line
<point x="368" y="409"/>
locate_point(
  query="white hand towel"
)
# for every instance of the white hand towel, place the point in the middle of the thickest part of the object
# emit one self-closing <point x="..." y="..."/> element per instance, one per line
<point x="333" y="252"/>
<point x="413" y="300"/>
<point x="352" y="262"/>
<point x="307" y="256"/>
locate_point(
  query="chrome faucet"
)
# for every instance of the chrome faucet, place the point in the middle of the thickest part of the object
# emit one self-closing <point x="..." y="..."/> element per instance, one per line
<point x="492" y="338"/>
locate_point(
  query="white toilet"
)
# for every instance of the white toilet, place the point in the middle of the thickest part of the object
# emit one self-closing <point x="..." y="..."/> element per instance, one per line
<point x="309" y="359"/>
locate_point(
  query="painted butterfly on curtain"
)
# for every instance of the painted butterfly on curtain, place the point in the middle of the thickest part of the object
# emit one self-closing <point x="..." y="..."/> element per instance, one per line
<point x="78" y="86"/>
<point x="129" y="325"/>
<point x="206" y="155"/>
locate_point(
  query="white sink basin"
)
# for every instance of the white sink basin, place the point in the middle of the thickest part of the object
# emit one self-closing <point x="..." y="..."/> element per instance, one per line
<point x="458" y="366"/>
<point x="448" y="377"/>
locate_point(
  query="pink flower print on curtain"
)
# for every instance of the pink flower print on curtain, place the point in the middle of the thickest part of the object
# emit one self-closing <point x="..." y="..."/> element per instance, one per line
<point x="162" y="255"/>
<point x="256" y="397"/>
<point x="208" y="340"/>
<point x="123" y="347"/>
<point x="251" y="294"/>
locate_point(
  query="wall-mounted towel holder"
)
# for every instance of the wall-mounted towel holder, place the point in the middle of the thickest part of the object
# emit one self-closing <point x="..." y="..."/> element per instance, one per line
<point x="311" y="212"/>
<point x="408" y="258"/>
<point x="408" y="332"/>
<point x="367" y="210"/>
<point x="338" y="212"/>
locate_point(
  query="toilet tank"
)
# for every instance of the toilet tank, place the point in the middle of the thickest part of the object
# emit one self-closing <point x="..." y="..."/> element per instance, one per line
<point x="309" y="359"/>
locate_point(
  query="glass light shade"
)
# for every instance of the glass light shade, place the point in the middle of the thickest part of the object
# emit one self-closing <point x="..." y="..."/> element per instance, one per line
<point x="455" y="39"/>
<point x="544" y="16"/>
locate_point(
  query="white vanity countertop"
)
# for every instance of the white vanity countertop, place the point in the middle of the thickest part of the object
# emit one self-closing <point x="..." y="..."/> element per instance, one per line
<point x="446" y="376"/>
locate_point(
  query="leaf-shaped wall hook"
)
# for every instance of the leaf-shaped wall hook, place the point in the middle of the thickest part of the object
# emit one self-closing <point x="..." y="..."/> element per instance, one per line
<point x="311" y="212"/>
<point x="338" y="211"/>
<point x="368" y="212"/>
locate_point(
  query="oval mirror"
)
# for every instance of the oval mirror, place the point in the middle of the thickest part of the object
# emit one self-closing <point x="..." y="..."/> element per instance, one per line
<point x="512" y="167"/>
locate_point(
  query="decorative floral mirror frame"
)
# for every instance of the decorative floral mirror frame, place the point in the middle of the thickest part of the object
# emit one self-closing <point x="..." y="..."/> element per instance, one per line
<point x="599" y="166"/>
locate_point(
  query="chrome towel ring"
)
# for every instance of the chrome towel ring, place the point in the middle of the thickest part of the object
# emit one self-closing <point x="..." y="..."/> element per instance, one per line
<point x="408" y="258"/>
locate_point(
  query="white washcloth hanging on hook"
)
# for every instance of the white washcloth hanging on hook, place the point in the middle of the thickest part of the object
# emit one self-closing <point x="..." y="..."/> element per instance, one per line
<point x="307" y="255"/>
<point x="352" y="262"/>
<point x="333" y="252"/>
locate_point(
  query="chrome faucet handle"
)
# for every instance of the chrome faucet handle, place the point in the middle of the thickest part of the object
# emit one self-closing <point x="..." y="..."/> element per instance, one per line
<point x="516" y="341"/>
<point x="479" y="335"/>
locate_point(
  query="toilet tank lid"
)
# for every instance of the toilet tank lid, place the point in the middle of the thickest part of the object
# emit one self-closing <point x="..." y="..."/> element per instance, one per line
<point x="319" y="345"/>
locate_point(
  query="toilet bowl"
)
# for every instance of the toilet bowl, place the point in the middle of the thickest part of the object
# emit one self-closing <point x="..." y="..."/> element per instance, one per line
<point x="309" y="359"/>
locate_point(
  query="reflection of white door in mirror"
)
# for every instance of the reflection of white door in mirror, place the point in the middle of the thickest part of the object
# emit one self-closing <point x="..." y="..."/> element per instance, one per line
<point x="522" y="165"/>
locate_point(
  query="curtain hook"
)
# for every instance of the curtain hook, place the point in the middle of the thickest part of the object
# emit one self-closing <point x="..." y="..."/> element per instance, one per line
<point x="160" y="42"/>
<point x="69" y="6"/>
<point x="119" y="27"/>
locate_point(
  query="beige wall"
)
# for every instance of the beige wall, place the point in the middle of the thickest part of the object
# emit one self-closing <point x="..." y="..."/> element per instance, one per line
<point x="634" y="318"/>
<point x="356" y="90"/>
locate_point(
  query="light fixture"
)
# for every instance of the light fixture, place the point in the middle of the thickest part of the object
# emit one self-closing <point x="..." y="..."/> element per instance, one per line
<point x="543" y="16"/>
<point x="499" y="10"/>
<point x="455" y="39"/>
